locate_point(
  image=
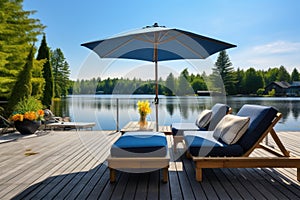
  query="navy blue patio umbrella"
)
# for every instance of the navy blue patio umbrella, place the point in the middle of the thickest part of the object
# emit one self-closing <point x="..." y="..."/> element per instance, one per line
<point x="157" y="43"/>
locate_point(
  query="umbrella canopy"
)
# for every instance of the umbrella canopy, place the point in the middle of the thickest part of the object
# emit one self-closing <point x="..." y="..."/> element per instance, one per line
<point x="157" y="43"/>
<point x="171" y="44"/>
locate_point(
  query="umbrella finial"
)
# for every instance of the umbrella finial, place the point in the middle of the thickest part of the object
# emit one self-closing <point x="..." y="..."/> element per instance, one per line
<point x="154" y="25"/>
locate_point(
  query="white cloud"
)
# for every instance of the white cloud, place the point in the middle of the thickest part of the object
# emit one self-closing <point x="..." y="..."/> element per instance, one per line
<point x="277" y="47"/>
<point x="273" y="54"/>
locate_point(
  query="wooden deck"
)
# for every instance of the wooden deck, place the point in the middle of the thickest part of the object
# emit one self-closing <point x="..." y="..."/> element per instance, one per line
<point x="71" y="165"/>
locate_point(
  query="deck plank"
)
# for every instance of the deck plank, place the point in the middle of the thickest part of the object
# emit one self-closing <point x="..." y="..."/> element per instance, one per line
<point x="71" y="165"/>
<point x="196" y="186"/>
<point x="88" y="183"/>
<point x="220" y="182"/>
<point x="164" y="191"/>
<point x="184" y="182"/>
<point x="131" y="186"/>
<point x="153" y="185"/>
<point x="141" y="190"/>
<point x="234" y="183"/>
<point x="102" y="189"/>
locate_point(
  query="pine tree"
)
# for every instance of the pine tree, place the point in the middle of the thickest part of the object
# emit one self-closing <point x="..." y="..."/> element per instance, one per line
<point x="18" y="33"/>
<point x="223" y="67"/>
<point x="295" y="76"/>
<point x="22" y="88"/>
<point x="283" y="74"/>
<point x="65" y="81"/>
<point x="170" y="85"/>
<point x="44" y="53"/>
<point x="271" y="75"/>
<point x="239" y="78"/>
<point x="252" y="81"/>
<point x="61" y="73"/>
<point x="184" y="87"/>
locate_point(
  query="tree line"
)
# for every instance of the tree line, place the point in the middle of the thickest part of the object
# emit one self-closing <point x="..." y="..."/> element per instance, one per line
<point x="223" y="79"/>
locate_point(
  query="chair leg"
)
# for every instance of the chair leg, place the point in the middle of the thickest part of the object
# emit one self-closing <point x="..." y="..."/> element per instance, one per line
<point x="199" y="174"/>
<point x="177" y="139"/>
<point x="165" y="174"/>
<point x="298" y="174"/>
<point x="188" y="155"/>
<point x="175" y="143"/>
<point x="112" y="175"/>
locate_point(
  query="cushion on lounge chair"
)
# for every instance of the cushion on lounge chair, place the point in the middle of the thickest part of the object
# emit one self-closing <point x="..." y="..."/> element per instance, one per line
<point x="204" y="118"/>
<point x="231" y="128"/>
<point x="218" y="112"/>
<point x="202" y="143"/>
<point x="140" y="144"/>
<point x="261" y="118"/>
<point x="179" y="128"/>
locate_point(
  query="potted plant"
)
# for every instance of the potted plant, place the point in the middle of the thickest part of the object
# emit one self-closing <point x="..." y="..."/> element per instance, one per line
<point x="28" y="115"/>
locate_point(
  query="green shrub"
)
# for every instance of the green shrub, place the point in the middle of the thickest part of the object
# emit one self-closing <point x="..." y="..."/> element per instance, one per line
<point x="272" y="93"/>
<point x="260" y="91"/>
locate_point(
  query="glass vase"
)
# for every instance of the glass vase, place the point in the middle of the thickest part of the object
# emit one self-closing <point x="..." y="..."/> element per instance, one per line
<point x="143" y="122"/>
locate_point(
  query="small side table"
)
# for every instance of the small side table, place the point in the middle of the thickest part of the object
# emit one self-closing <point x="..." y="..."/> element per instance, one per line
<point x="134" y="126"/>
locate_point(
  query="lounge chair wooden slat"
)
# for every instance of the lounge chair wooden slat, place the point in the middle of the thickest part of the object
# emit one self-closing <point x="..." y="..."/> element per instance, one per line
<point x="245" y="162"/>
<point x="271" y="150"/>
<point x="279" y="143"/>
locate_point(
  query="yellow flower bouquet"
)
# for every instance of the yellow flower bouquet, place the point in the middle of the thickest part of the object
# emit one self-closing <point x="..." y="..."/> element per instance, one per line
<point x="144" y="109"/>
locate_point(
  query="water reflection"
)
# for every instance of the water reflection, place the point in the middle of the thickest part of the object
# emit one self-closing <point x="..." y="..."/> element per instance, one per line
<point x="61" y="107"/>
<point x="102" y="109"/>
<point x="170" y="106"/>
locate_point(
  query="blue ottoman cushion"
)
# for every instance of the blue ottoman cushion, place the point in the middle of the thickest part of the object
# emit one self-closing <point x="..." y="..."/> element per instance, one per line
<point x="140" y="144"/>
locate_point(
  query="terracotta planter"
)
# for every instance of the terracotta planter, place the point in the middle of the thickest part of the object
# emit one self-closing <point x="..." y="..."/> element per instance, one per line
<point x="27" y="127"/>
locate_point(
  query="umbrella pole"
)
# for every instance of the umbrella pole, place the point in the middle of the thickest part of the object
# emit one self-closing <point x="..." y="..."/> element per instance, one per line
<point x="156" y="86"/>
<point x="156" y="96"/>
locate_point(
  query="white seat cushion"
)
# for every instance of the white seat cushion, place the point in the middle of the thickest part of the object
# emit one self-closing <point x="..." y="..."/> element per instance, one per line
<point x="231" y="128"/>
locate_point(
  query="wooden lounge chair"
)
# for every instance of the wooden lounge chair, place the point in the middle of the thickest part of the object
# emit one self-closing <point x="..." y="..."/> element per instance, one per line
<point x="139" y="152"/>
<point x="220" y="155"/>
<point x="217" y="112"/>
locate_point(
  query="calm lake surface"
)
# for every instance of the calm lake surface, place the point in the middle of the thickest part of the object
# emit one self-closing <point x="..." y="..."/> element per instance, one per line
<point x="102" y="109"/>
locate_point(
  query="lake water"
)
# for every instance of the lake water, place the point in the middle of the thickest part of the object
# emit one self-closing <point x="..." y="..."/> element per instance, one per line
<point x="102" y="109"/>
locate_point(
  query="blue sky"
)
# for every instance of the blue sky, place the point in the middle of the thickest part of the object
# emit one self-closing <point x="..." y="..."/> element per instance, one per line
<point x="267" y="33"/>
